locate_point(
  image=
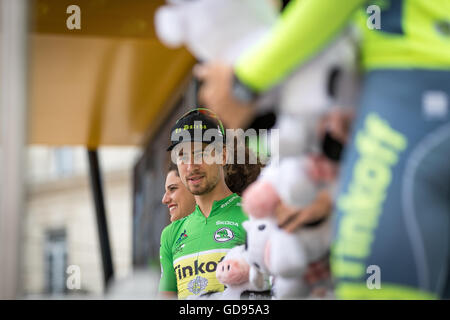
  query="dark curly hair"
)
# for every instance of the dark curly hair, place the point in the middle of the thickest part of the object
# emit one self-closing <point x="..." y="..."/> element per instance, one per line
<point x="239" y="176"/>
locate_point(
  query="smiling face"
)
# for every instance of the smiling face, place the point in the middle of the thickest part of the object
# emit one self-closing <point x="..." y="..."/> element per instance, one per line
<point x="199" y="178"/>
<point x="178" y="199"/>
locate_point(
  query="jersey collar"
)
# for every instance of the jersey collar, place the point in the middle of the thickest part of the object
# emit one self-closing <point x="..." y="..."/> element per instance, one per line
<point x="218" y="205"/>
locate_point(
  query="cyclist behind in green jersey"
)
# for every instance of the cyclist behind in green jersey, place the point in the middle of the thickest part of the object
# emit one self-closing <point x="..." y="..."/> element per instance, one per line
<point x="193" y="246"/>
<point x="393" y="202"/>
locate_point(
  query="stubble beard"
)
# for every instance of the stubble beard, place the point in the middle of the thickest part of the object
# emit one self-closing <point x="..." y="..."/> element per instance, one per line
<point x="210" y="185"/>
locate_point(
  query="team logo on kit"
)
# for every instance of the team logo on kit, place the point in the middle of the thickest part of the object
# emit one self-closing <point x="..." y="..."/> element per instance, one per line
<point x="182" y="237"/>
<point x="197" y="285"/>
<point x="179" y="249"/>
<point x="223" y="235"/>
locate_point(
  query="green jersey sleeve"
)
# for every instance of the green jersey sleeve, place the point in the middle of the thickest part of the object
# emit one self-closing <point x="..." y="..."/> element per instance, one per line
<point x="168" y="280"/>
<point x="303" y="29"/>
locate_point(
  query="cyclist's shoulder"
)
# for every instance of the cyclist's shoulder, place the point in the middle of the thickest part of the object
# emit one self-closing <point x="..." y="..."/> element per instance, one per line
<point x="171" y="230"/>
<point x="232" y="201"/>
<point x="233" y="209"/>
<point x="236" y="206"/>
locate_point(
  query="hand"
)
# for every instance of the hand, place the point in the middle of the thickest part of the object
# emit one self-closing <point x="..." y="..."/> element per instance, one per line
<point x="260" y="199"/>
<point x="216" y="94"/>
<point x="338" y="123"/>
<point x="317" y="271"/>
<point x="320" y="169"/>
<point x="290" y="219"/>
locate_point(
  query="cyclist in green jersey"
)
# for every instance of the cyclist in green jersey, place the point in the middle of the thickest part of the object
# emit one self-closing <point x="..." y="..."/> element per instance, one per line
<point x="181" y="202"/>
<point x="192" y="247"/>
<point x="393" y="201"/>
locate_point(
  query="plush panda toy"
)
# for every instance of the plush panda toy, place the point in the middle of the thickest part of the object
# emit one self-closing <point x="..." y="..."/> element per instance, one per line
<point x="271" y="251"/>
<point x="214" y="29"/>
<point x="239" y="276"/>
<point x="327" y="81"/>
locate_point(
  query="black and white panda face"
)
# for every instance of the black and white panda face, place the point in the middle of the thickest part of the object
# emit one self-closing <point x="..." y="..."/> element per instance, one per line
<point x="257" y="231"/>
<point x="333" y="80"/>
<point x="260" y="227"/>
<point x="258" y="234"/>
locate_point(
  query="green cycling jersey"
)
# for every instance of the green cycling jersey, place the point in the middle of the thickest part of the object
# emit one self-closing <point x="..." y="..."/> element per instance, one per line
<point x="413" y="34"/>
<point x="192" y="247"/>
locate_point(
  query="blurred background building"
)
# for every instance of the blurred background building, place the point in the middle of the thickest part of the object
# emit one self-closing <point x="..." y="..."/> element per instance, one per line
<point x="86" y="89"/>
<point x="85" y="108"/>
<point x="59" y="225"/>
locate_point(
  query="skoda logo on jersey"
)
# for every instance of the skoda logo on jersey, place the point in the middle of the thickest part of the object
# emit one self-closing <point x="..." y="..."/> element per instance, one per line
<point x="223" y="235"/>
